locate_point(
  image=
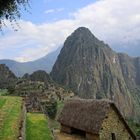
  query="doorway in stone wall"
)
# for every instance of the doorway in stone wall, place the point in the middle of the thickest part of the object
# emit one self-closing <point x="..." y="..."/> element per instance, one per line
<point x="78" y="132"/>
<point x="113" y="136"/>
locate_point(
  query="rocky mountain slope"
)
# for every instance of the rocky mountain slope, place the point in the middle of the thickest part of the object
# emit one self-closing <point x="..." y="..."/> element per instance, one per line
<point x="45" y="63"/>
<point x="7" y="78"/>
<point x="92" y="69"/>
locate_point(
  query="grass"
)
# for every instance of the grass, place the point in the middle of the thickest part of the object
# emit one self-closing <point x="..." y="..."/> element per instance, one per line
<point x="3" y="92"/>
<point x="36" y="124"/>
<point x="37" y="127"/>
<point x="2" y="102"/>
<point x="10" y="117"/>
<point x="60" y="106"/>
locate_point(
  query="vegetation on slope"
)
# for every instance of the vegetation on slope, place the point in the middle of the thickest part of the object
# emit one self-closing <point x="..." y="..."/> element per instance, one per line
<point x="54" y="124"/>
<point x="135" y="127"/>
<point x="7" y="77"/>
<point x="51" y="109"/>
<point x="10" y="116"/>
<point x="37" y="127"/>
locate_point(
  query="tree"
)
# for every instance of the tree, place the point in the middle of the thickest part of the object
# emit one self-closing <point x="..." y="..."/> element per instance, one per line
<point x="11" y="10"/>
<point x="51" y="109"/>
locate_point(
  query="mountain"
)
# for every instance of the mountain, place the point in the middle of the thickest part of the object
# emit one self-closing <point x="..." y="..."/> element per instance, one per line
<point x="7" y="78"/>
<point x="91" y="69"/>
<point x="39" y="75"/>
<point x="45" y="63"/>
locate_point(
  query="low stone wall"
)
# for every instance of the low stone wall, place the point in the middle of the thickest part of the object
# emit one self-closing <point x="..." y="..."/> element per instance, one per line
<point x="22" y="128"/>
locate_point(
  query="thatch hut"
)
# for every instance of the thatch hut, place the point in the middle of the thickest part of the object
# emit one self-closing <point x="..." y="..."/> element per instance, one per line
<point x="94" y="120"/>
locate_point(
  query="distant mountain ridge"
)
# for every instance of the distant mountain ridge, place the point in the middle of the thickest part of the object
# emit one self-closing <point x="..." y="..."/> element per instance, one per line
<point x="91" y="69"/>
<point x="45" y="63"/>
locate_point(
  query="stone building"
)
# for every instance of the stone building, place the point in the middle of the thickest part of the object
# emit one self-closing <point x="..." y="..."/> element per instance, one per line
<point x="94" y="120"/>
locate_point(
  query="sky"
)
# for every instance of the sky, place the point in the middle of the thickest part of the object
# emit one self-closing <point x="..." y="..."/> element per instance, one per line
<point x="49" y="22"/>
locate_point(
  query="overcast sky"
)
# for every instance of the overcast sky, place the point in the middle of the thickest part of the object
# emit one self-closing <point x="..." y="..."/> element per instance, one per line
<point x="116" y="22"/>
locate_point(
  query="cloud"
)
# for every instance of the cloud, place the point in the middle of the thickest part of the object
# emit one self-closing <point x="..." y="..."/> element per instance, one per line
<point x="54" y="10"/>
<point x="116" y="22"/>
<point x="49" y="11"/>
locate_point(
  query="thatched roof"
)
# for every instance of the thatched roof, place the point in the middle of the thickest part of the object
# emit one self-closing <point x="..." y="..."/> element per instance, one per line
<point x="88" y="115"/>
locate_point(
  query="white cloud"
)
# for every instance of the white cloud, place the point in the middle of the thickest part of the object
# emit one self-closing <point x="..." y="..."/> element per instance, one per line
<point x="50" y="11"/>
<point x="117" y="22"/>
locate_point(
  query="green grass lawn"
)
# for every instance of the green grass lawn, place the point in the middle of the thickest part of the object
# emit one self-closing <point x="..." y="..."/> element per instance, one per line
<point x="10" y="116"/>
<point x="37" y="127"/>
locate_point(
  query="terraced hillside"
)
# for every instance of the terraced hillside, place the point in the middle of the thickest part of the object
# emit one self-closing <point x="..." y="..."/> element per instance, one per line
<point x="11" y="121"/>
<point x="10" y="117"/>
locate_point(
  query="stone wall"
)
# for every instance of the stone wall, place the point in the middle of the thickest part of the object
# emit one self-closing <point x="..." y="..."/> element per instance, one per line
<point x="113" y="124"/>
<point x="22" y="129"/>
<point x="90" y="136"/>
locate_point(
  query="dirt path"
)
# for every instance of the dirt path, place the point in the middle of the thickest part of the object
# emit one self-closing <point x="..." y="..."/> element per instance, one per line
<point x="63" y="136"/>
